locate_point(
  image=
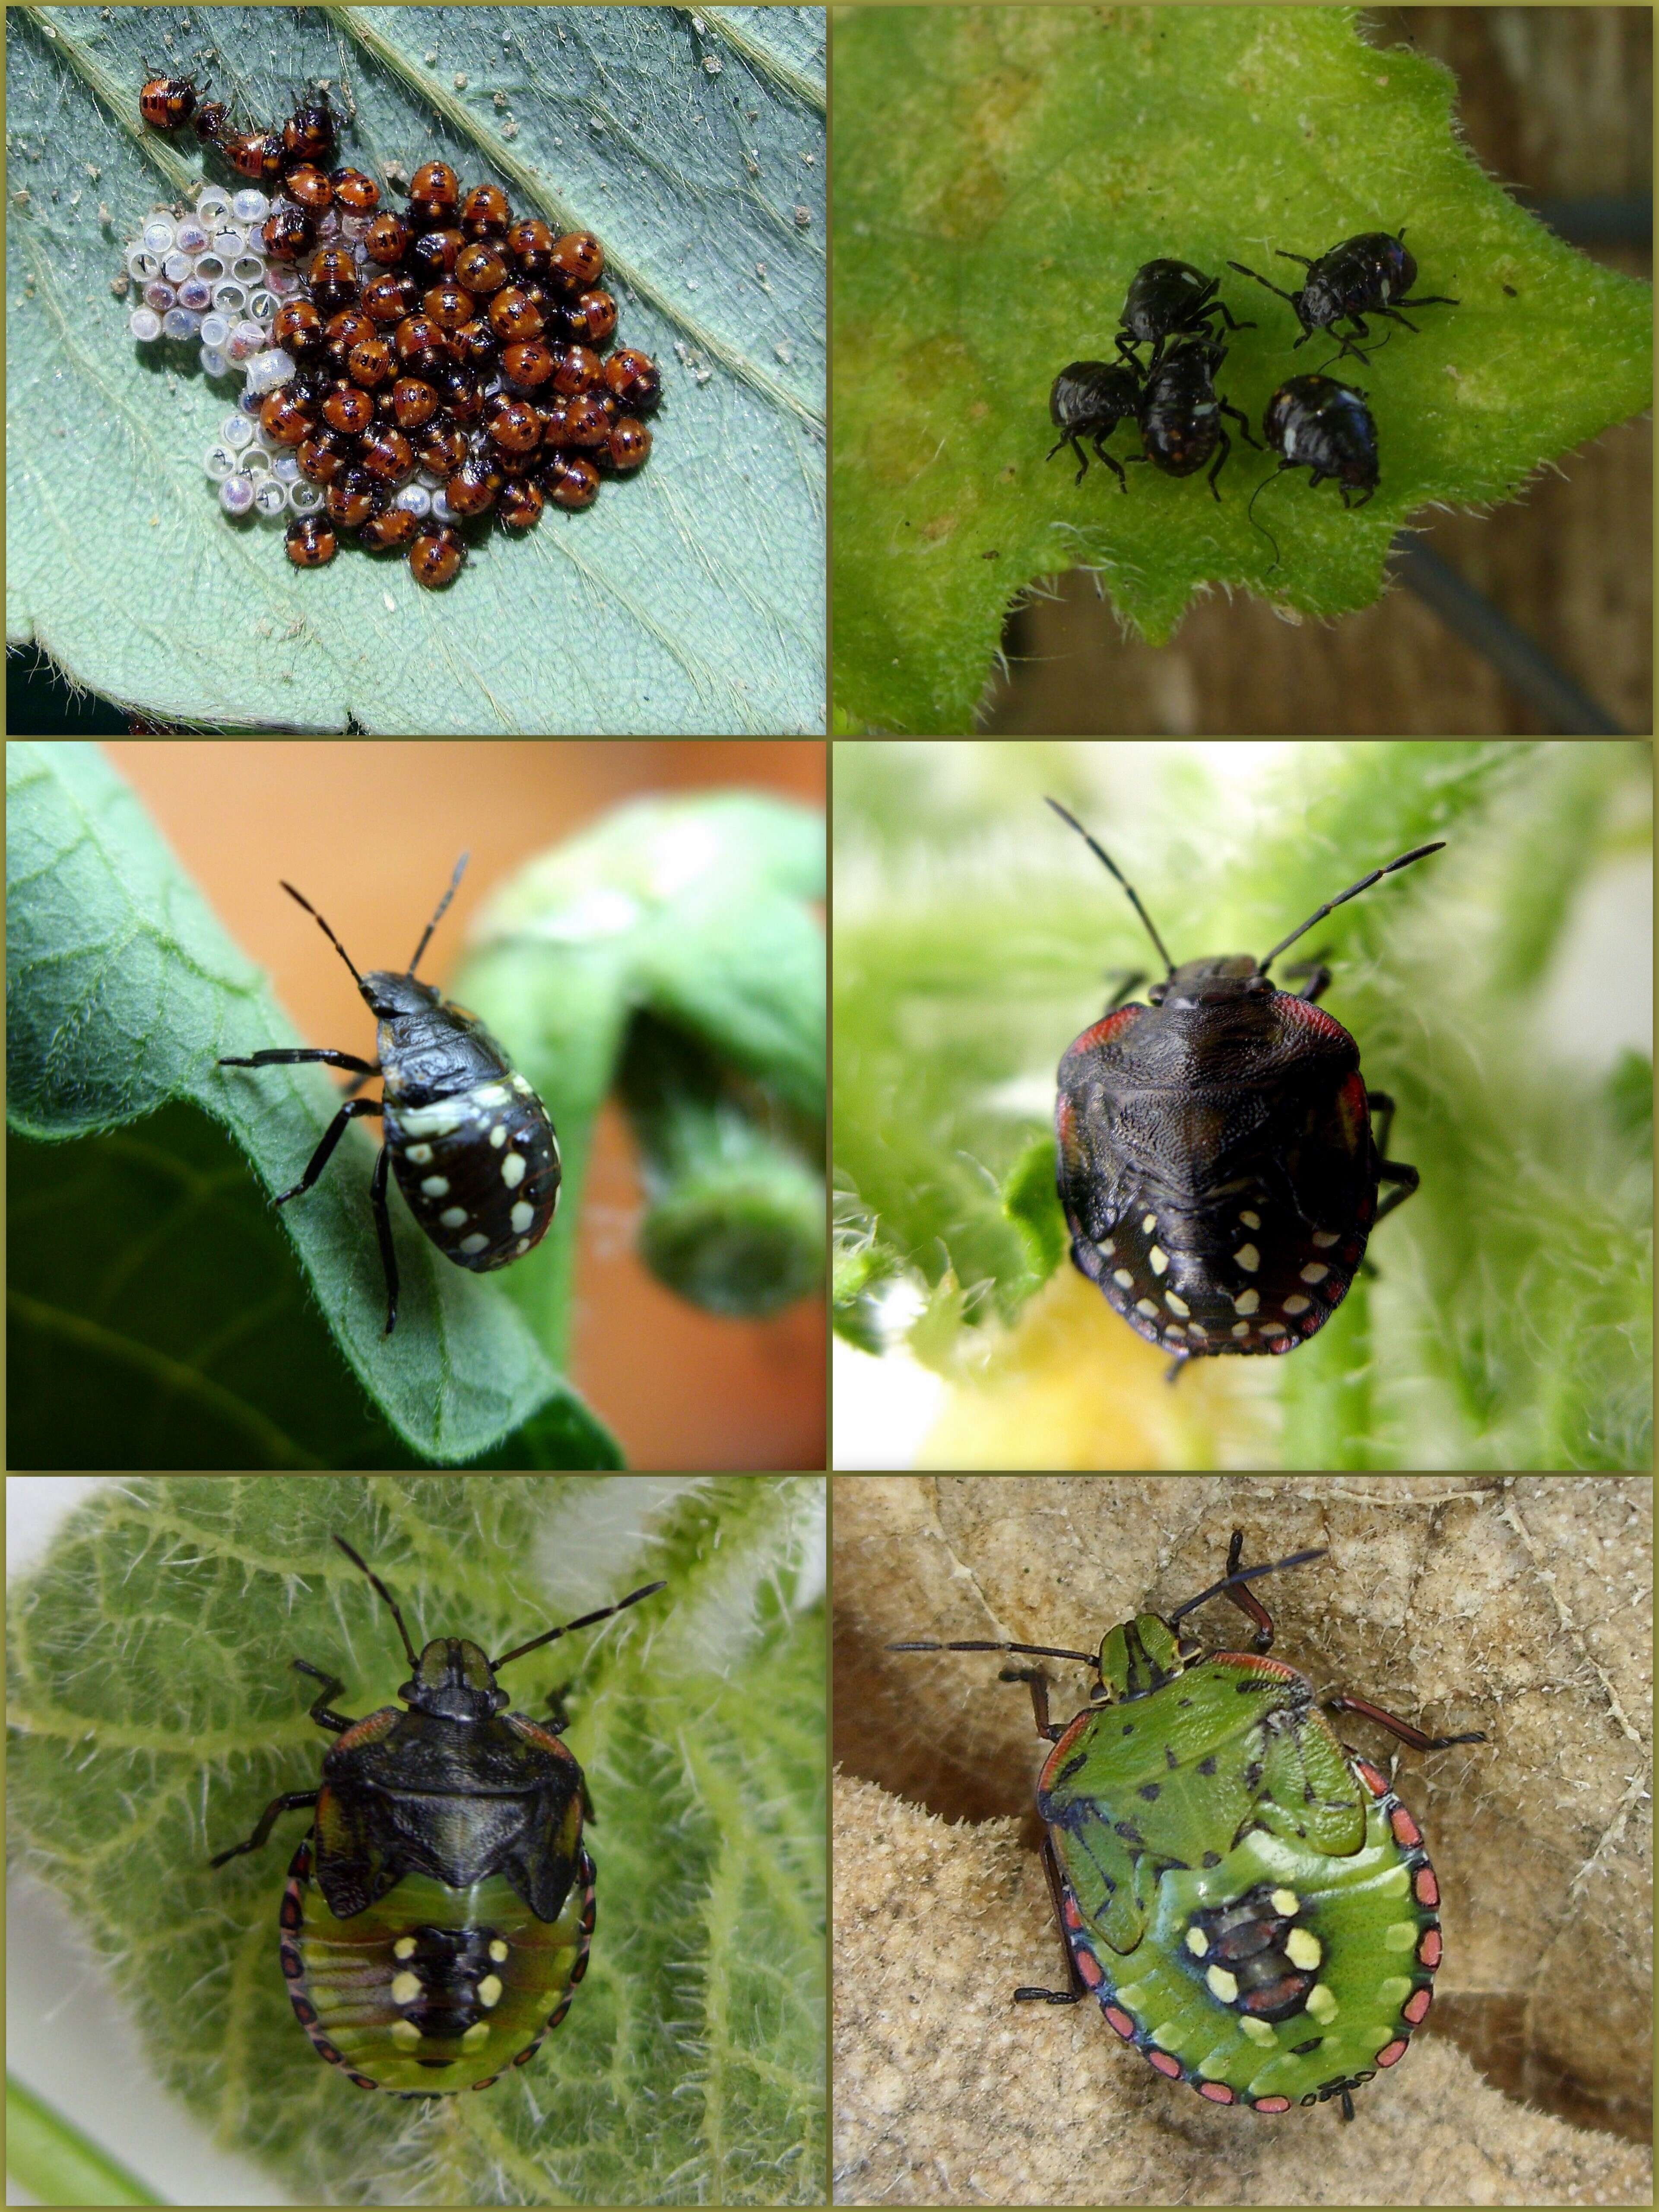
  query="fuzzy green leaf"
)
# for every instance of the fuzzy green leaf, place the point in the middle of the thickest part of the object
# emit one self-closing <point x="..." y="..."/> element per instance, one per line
<point x="690" y="2067"/>
<point x="688" y="598"/>
<point x="1002" y="173"/>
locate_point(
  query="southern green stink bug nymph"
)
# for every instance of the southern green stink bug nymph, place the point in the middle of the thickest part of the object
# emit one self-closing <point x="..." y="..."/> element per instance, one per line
<point x="438" y="1913"/>
<point x="1248" y="1898"/>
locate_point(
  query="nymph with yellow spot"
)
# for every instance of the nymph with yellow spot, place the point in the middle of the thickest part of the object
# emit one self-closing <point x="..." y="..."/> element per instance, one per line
<point x="438" y="1914"/>
<point x="1248" y="1898"/>
<point x="473" y="1148"/>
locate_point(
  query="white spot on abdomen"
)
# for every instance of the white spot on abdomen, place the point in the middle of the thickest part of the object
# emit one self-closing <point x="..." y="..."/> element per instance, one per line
<point x="452" y="1217"/>
<point x="512" y="1170"/>
<point x="435" y="1186"/>
<point x="442" y="1120"/>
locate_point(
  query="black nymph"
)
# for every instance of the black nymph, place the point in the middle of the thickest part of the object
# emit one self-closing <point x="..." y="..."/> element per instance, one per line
<point x="472" y="1146"/>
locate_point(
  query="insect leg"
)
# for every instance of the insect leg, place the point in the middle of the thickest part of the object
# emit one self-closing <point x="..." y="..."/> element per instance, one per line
<point x="339" y="1723"/>
<point x="382" y="1230"/>
<point x="1231" y="321"/>
<point x="331" y="1136"/>
<point x="1263" y="280"/>
<point x="1038" y="1683"/>
<point x="1395" y="1171"/>
<point x="1407" y="1734"/>
<point x="1242" y="1595"/>
<point x="1242" y="421"/>
<point x="290" y="1802"/>
<point x="1110" y="460"/>
<point x="1318" y="979"/>
<point x="1226" y="444"/>
<point x="1431" y="299"/>
<point x="301" y="1054"/>
<point x="1079" y="1989"/>
<point x="1345" y="341"/>
<point x="1069" y="438"/>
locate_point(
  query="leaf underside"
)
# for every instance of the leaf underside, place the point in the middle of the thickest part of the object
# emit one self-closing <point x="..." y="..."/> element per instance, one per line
<point x="690" y="596"/>
<point x="1001" y="175"/>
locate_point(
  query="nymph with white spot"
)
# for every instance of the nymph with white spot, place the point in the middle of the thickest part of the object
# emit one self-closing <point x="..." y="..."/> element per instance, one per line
<point x="1218" y="1167"/>
<point x="439" y="1909"/>
<point x="473" y="1148"/>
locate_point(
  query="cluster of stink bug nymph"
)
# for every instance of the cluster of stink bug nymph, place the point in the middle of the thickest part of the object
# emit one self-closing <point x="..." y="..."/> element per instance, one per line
<point x="1311" y="422"/>
<point x="473" y="1148"/>
<point x="1247" y="1897"/>
<point x="1217" y="1165"/>
<point x="405" y="373"/>
<point x="440" y="1910"/>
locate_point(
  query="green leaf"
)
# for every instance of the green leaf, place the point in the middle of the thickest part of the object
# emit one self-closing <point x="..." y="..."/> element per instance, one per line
<point x="1001" y="175"/>
<point x="1509" y="1322"/>
<point x="1031" y="1200"/>
<point x="690" y="2069"/>
<point x="158" y="1316"/>
<point x="689" y="597"/>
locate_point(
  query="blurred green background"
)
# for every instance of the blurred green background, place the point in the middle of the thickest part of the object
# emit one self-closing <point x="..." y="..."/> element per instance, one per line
<point x="1501" y="993"/>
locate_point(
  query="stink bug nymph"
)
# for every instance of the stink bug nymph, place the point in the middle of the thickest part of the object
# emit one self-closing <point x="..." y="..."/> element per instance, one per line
<point x="1248" y="1898"/>
<point x="1217" y="1165"/>
<point x="438" y="1913"/>
<point x="471" y="1145"/>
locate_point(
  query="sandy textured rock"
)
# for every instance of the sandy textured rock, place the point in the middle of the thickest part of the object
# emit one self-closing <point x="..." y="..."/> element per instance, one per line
<point x="1523" y="1607"/>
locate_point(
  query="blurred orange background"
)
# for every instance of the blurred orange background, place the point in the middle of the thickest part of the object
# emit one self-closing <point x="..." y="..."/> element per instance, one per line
<point x="369" y="832"/>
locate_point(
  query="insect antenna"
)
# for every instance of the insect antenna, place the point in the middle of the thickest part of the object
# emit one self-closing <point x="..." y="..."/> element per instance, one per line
<point x="1100" y="854"/>
<point x="357" y="1561"/>
<point x="346" y="957"/>
<point x="1261" y="527"/>
<point x="1292" y="296"/>
<point x="1036" y="1650"/>
<point x="586" y="1621"/>
<point x="443" y="908"/>
<point x="1354" y="891"/>
<point x="1244" y="1574"/>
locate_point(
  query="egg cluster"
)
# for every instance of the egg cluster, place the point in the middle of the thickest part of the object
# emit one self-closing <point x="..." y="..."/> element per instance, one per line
<point x="404" y="373"/>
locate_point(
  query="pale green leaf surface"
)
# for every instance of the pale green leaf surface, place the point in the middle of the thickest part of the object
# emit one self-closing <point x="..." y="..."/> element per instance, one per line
<point x="122" y="992"/>
<point x="1001" y="173"/>
<point x="691" y="2068"/>
<point x="689" y="597"/>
